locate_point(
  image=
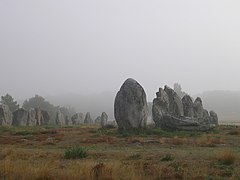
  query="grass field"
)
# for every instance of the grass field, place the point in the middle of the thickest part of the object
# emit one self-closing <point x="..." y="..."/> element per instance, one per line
<point x="87" y="152"/>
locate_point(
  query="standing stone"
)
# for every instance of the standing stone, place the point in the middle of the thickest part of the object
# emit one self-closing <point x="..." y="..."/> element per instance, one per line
<point x="214" y="118"/>
<point x="77" y="119"/>
<point x="45" y="117"/>
<point x="39" y="116"/>
<point x="104" y="118"/>
<point x="98" y="120"/>
<point x="20" y="117"/>
<point x="31" y="120"/>
<point x="175" y="103"/>
<point x="5" y="115"/>
<point x="60" y="120"/>
<point x="130" y="106"/>
<point x="160" y="107"/>
<point x="67" y="121"/>
<point x="187" y="106"/>
<point x="198" y="108"/>
<point x="88" y="119"/>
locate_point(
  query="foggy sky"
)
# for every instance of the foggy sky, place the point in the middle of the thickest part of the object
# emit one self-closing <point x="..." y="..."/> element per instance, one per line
<point x="52" y="47"/>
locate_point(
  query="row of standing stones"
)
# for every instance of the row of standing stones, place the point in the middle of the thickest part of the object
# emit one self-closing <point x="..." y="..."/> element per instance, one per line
<point x="36" y="116"/>
<point x="169" y="111"/>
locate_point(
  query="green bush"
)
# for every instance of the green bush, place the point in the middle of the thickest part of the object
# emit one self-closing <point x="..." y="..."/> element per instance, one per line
<point x="167" y="157"/>
<point x="76" y="153"/>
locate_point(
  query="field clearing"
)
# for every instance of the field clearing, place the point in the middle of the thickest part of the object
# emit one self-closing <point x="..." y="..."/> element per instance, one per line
<point x="38" y="153"/>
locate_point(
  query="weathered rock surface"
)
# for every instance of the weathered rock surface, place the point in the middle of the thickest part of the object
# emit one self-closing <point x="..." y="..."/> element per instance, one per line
<point x="104" y="118"/>
<point x="172" y="113"/>
<point x="187" y="106"/>
<point x="175" y="103"/>
<point x="98" y="120"/>
<point x="130" y="106"/>
<point x="60" y="119"/>
<point x="160" y="107"/>
<point x="198" y="108"/>
<point x="5" y="115"/>
<point x="20" y="117"/>
<point x="77" y="119"/>
<point x="38" y="117"/>
<point x="31" y="121"/>
<point x="88" y="119"/>
<point x="214" y="118"/>
<point x="45" y="117"/>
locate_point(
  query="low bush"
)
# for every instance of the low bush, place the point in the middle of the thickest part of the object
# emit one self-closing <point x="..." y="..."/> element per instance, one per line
<point x="167" y="157"/>
<point x="76" y="153"/>
<point x="227" y="157"/>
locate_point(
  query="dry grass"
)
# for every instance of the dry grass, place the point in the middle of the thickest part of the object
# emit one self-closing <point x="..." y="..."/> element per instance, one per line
<point x="41" y="155"/>
<point x="228" y="157"/>
<point x="209" y="141"/>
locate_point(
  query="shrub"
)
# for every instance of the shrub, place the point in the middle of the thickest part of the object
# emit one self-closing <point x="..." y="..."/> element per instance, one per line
<point x="76" y="153"/>
<point x="227" y="157"/>
<point x="167" y="157"/>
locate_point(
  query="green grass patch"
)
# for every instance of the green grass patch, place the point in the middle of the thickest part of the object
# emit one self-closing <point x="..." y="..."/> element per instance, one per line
<point x="167" y="157"/>
<point x="76" y="153"/>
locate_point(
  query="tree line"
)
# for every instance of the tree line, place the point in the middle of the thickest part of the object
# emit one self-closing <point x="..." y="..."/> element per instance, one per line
<point x="37" y="101"/>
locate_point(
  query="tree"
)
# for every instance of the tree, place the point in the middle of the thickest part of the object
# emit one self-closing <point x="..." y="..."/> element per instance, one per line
<point x="9" y="100"/>
<point x="39" y="101"/>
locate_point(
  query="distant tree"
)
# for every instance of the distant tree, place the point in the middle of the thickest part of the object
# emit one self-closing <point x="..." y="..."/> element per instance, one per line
<point x="39" y="101"/>
<point x="9" y="100"/>
<point x="178" y="90"/>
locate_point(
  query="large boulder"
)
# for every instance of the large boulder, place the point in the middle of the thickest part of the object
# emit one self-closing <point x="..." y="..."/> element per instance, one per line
<point x="187" y="106"/>
<point x="104" y="118"/>
<point x="175" y="103"/>
<point x="20" y="117"/>
<point x="77" y="119"/>
<point x="88" y="119"/>
<point x="5" y="115"/>
<point x="130" y="106"/>
<point x="171" y="113"/>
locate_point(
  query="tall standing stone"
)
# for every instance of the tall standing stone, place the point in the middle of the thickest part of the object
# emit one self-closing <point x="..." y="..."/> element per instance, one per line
<point x="31" y="121"/>
<point x="5" y="115"/>
<point x="39" y="117"/>
<point x="77" y="118"/>
<point x="130" y="106"/>
<point x="104" y="118"/>
<point x="187" y="106"/>
<point x="198" y="108"/>
<point x="20" y="117"/>
<point x="175" y="102"/>
<point x="160" y="107"/>
<point x="88" y="119"/>
<point x="45" y="117"/>
<point x="60" y="119"/>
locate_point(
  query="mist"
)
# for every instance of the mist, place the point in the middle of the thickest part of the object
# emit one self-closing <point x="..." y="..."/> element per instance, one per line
<point x="88" y="47"/>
